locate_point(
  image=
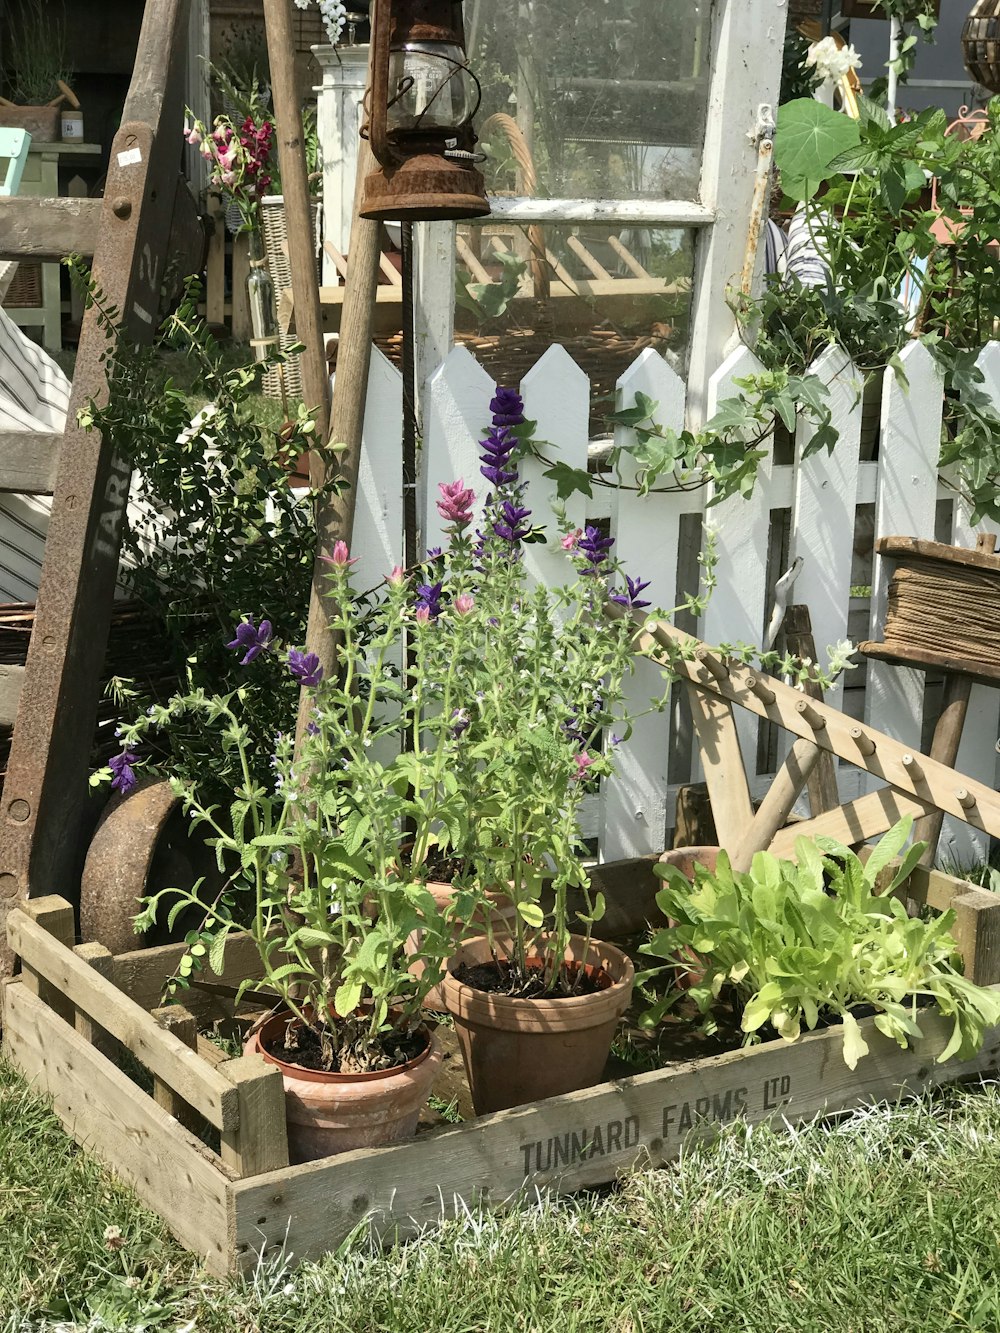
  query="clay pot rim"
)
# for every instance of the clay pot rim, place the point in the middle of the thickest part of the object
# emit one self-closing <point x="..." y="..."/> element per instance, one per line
<point x="569" y="1006"/>
<point x="331" y="1076"/>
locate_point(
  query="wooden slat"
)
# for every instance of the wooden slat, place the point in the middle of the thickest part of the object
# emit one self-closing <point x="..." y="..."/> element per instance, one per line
<point x="102" y="961"/>
<point x="725" y="774"/>
<point x="54" y="918"/>
<point x="163" y="1054"/>
<point x="977" y="933"/>
<point x="777" y="805"/>
<point x="28" y="462"/>
<point x="603" y="1131"/>
<point x="628" y="258"/>
<point x="469" y="258"/>
<point x="852" y="823"/>
<point x="260" y="1143"/>
<point x="582" y="253"/>
<point x="116" y="1121"/>
<point x="184" y="1026"/>
<point x="37" y="228"/>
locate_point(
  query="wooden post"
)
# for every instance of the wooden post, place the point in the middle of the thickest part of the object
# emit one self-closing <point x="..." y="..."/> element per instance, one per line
<point x="723" y="761"/>
<point x="777" y="804"/>
<point x="977" y="932"/>
<point x="183" y="1024"/>
<point x="241" y="323"/>
<point x="298" y="211"/>
<point x="215" y="266"/>
<point x="101" y="960"/>
<point x="944" y="748"/>
<point x="822" y="785"/>
<point x="260" y="1141"/>
<point x="55" y="915"/>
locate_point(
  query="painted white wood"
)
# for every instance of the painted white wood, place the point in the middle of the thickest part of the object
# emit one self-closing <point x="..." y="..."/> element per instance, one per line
<point x="646" y="536"/>
<point x="823" y="510"/>
<point x="458" y="413"/>
<point x="338" y="121"/>
<point x="378" y="520"/>
<point x="747" y="42"/>
<point x="741" y="527"/>
<point x="905" y="506"/>
<point x="434" y="303"/>
<point x="629" y="212"/>
<point x="198" y="91"/>
<point x="556" y="395"/>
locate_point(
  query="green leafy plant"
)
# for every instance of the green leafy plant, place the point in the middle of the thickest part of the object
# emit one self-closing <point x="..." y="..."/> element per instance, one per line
<point x="800" y="942"/>
<point x="490" y="300"/>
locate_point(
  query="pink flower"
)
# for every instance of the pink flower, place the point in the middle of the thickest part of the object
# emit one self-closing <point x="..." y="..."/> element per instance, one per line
<point x="464" y="603"/>
<point x="193" y="136"/>
<point x="582" y="762"/>
<point x="569" y="542"/>
<point x="455" y="505"/>
<point x="397" y="576"/>
<point x="423" y="614"/>
<point x="228" y="178"/>
<point x="341" y="557"/>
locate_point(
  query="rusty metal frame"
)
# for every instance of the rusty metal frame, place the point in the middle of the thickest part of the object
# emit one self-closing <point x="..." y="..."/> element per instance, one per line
<point x="44" y="816"/>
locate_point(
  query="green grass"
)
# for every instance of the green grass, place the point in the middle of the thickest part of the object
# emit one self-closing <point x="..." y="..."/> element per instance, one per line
<point x="888" y="1219"/>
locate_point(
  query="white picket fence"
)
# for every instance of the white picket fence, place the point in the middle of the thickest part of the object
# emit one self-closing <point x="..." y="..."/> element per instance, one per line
<point x="654" y="537"/>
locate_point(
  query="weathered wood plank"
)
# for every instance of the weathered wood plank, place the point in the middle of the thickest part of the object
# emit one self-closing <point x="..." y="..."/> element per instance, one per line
<point x="584" y="1139"/>
<point x="54" y="918"/>
<point x="102" y="961"/>
<point x="34" y="228"/>
<point x="260" y="1142"/>
<point x="852" y="823"/>
<point x="28" y="462"/>
<point x="115" y="1120"/>
<point x="184" y="1026"/>
<point x="722" y="759"/>
<point x="163" y="1054"/>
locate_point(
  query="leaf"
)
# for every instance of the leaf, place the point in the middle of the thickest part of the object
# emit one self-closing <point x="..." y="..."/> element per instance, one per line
<point x="310" y="938"/>
<point x="569" y="480"/>
<point x="809" y="137"/>
<point x="532" y="914"/>
<point x="348" y="998"/>
<point x="855" y="1045"/>
<point x="888" y="848"/>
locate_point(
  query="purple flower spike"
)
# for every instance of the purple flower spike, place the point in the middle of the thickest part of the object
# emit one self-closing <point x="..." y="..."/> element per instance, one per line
<point x="510" y="524"/>
<point x="429" y="599"/>
<point x="630" y="598"/>
<point x="123" y="774"/>
<point x="594" y="548"/>
<point x="251" y="640"/>
<point x="497" y="447"/>
<point x="304" y="667"/>
<point x="507" y="407"/>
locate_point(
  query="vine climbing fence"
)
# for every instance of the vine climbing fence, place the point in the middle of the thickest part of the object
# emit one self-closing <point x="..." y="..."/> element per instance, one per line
<point x="824" y="509"/>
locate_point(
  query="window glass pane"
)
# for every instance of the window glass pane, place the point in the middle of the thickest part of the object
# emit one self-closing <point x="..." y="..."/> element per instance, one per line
<point x="604" y="292"/>
<point x="592" y="98"/>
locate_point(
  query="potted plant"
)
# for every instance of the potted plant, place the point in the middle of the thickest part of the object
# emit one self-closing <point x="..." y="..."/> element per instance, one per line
<point x="819" y="940"/>
<point x="37" y="62"/>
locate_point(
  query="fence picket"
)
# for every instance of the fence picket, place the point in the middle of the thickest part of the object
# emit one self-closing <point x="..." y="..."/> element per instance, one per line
<point x="377" y="539"/>
<point x="823" y="509"/>
<point x="646" y="532"/>
<point x="905" y="505"/>
<point x="741" y="527"/>
<point x="456" y="417"/>
<point x="556" y="395"/>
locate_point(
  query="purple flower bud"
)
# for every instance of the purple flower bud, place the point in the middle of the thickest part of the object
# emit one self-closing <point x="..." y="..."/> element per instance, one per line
<point x="429" y="599"/>
<point x="630" y="597"/>
<point x="251" y="640"/>
<point x="123" y="778"/>
<point x="460" y="723"/>
<point x="594" y="548"/>
<point x="305" y="667"/>
<point x="510" y="524"/>
<point x="507" y="407"/>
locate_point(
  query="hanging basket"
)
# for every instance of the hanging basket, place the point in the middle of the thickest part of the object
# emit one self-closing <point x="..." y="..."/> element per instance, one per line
<point x="275" y="230"/>
<point x="981" y="43"/>
<point x="868" y="9"/>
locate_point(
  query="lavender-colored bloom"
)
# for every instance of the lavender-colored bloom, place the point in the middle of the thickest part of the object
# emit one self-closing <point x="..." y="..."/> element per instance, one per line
<point x="497" y="446"/>
<point x="434" y="553"/>
<point x="429" y="599"/>
<point x="312" y="729"/>
<point x="507" y="407"/>
<point x="304" y="667"/>
<point x="250" y="639"/>
<point x="594" y="549"/>
<point x="123" y="774"/>
<point x="459" y="723"/>
<point x="630" y="597"/>
<point x="510" y="524"/>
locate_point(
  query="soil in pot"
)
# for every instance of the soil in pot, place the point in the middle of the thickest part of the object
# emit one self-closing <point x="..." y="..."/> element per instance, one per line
<point x="335" y="1112"/>
<point x="519" y="1050"/>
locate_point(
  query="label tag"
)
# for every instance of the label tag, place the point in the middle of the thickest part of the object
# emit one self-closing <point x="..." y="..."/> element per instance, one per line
<point x="129" y="157"/>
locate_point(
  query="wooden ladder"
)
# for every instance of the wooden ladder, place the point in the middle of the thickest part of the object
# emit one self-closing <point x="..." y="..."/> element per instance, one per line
<point x="146" y="219"/>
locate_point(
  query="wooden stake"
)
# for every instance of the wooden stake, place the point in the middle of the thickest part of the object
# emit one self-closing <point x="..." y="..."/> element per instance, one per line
<point x="944" y="748"/>
<point x="298" y="213"/>
<point x="777" y="804"/>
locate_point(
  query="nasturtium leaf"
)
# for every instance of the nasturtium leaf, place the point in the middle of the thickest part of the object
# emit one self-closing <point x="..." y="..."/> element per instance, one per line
<point x="810" y="135"/>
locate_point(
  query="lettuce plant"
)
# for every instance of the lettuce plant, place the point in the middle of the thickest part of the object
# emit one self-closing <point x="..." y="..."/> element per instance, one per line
<point x="808" y="940"/>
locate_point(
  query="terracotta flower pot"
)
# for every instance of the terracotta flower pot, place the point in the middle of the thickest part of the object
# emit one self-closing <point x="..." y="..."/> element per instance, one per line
<point x="518" y="1051"/>
<point x="443" y="895"/>
<point x="334" y="1113"/>
<point x="685" y="859"/>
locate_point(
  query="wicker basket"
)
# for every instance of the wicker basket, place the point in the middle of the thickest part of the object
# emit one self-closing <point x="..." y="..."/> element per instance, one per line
<point x="275" y="230"/>
<point x="25" y="290"/>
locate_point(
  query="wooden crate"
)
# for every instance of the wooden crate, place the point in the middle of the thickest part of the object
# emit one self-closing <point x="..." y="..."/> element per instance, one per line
<point x="70" y="1006"/>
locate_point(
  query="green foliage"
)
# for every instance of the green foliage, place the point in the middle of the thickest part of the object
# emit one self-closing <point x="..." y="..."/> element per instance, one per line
<point x="814" y="939"/>
<point x="490" y="300"/>
<point x="213" y="532"/>
<point x="809" y="137"/>
<point x="38" y="54"/>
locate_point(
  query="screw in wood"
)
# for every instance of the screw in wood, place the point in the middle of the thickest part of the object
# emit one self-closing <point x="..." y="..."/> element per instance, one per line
<point x="122" y="207"/>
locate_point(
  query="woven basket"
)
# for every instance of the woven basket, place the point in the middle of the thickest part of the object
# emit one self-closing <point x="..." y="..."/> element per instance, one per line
<point x="868" y="9"/>
<point x="25" y="290"/>
<point x="275" y="230"/>
<point x="981" y="43"/>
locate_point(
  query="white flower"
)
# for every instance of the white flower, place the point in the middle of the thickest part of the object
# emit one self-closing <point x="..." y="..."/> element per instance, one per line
<point x="832" y="61"/>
